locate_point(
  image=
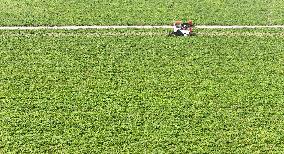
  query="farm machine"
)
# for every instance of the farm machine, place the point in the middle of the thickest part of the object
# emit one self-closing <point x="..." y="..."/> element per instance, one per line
<point x="182" y="29"/>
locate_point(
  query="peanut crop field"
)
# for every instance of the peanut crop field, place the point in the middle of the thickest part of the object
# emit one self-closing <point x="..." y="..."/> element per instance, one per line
<point x="140" y="12"/>
<point x="139" y="90"/>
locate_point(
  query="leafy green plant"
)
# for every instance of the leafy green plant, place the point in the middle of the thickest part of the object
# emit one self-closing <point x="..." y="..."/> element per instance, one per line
<point x="140" y="12"/>
<point x="85" y="91"/>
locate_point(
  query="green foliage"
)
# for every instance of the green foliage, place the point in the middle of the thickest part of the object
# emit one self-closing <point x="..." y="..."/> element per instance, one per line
<point x="85" y="91"/>
<point x="140" y="12"/>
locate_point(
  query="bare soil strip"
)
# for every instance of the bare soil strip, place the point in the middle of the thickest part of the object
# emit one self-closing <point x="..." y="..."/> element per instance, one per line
<point x="129" y="27"/>
<point x="131" y="33"/>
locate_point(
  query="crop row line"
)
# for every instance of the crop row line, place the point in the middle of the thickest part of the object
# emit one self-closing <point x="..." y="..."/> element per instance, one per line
<point x="130" y="27"/>
<point x="107" y="34"/>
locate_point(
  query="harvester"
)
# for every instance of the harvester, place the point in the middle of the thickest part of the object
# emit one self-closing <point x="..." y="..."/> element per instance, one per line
<point x="182" y="29"/>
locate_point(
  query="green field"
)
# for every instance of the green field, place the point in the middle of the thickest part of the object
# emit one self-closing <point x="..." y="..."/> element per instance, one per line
<point x="140" y="91"/>
<point x="143" y="92"/>
<point x="140" y="12"/>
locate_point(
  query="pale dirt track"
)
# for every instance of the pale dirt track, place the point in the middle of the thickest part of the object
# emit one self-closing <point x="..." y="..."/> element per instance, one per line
<point x="143" y="33"/>
<point x="134" y="27"/>
<point x="198" y="31"/>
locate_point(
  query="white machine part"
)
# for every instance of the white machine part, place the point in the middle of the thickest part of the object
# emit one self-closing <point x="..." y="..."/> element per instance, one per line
<point x="185" y="32"/>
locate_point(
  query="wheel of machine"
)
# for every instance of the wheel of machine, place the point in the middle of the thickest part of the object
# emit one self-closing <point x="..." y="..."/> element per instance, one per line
<point x="172" y="34"/>
<point x="192" y="34"/>
<point x="179" y="33"/>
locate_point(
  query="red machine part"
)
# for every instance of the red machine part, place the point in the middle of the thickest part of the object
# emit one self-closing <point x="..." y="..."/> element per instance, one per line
<point x="190" y="25"/>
